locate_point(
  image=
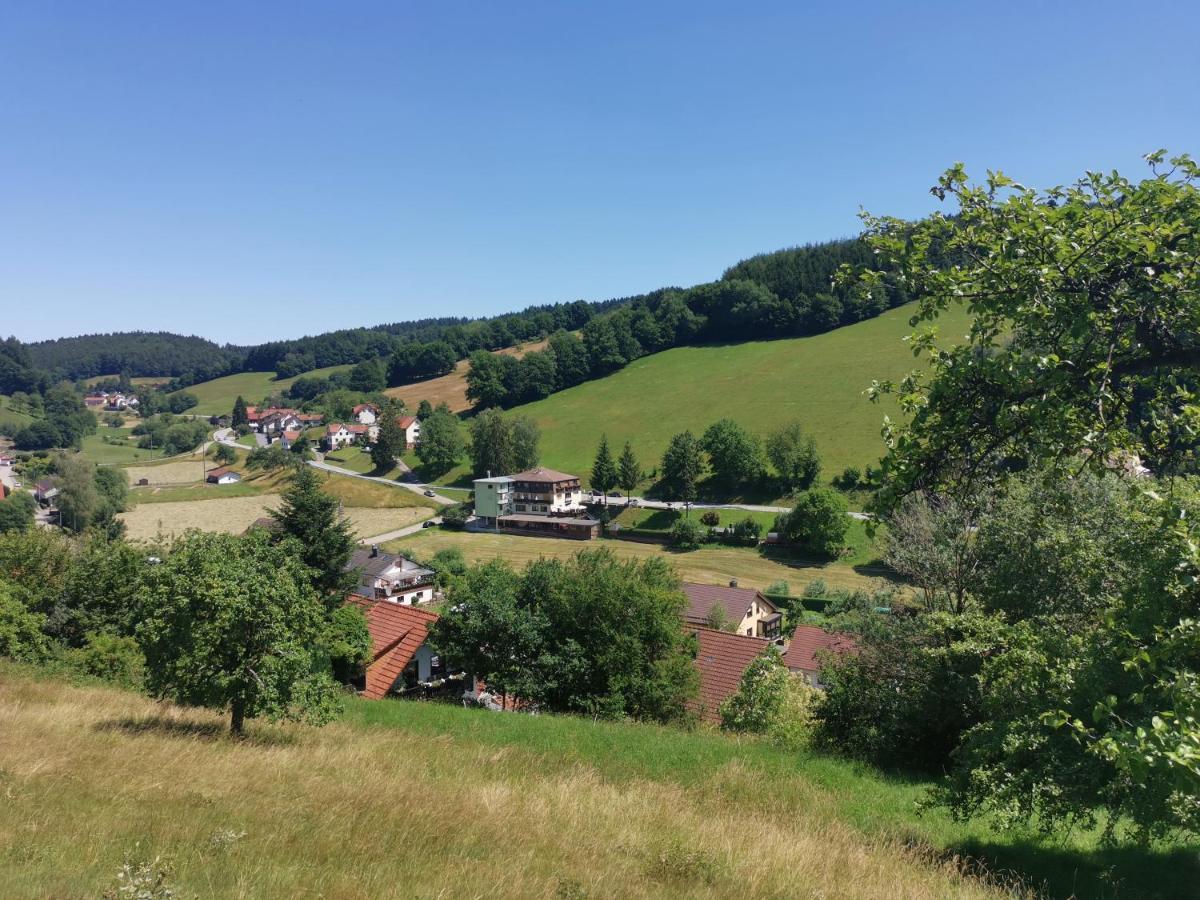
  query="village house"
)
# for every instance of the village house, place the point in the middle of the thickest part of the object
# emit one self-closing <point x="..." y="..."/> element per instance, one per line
<point x="275" y="421"/>
<point x="810" y="646"/>
<point x="6" y="460"/>
<point x="366" y="413"/>
<point x="45" y="491"/>
<point x="222" y="475"/>
<point x="746" y="610"/>
<point x="386" y="576"/>
<point x="338" y="435"/>
<point x="537" y="501"/>
<point x="310" y="420"/>
<point x="95" y="401"/>
<point x="289" y="437"/>
<point x="721" y="660"/>
<point x="411" y="426"/>
<point x="402" y="663"/>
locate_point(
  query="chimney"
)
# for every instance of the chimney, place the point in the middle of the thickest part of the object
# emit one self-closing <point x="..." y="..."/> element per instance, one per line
<point x="374" y="550"/>
<point x="733" y="582"/>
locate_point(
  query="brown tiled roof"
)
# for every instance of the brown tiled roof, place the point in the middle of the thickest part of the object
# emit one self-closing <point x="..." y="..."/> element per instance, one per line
<point x="722" y="659"/>
<point x="547" y="475"/>
<point x="371" y="406"/>
<point x="397" y="633"/>
<point x="218" y="472"/>
<point x="810" y="645"/>
<point x="405" y="421"/>
<point x="736" y="601"/>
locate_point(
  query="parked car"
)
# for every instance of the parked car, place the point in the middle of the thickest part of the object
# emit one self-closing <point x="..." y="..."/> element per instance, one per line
<point x="429" y="493"/>
<point x="428" y="523"/>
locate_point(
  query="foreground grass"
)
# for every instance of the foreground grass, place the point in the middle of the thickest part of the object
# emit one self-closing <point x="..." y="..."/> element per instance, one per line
<point x="710" y="564"/>
<point x="819" y="380"/>
<point x="418" y="800"/>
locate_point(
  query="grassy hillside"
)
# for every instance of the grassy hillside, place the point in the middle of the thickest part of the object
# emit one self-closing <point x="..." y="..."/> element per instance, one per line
<point x="452" y="389"/>
<point x="819" y="380"/>
<point x="10" y="416"/>
<point x="426" y="800"/>
<point x="217" y="396"/>
<point x="711" y="564"/>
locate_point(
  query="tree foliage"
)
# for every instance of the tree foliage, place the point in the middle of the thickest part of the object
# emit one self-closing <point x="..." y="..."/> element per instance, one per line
<point x="323" y="540"/>
<point x="817" y="523"/>
<point x="682" y="467"/>
<point x="736" y="456"/>
<point x="441" y="445"/>
<point x="793" y="453"/>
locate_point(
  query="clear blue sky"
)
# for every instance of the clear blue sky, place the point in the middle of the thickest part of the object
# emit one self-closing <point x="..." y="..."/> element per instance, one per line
<point x="249" y="171"/>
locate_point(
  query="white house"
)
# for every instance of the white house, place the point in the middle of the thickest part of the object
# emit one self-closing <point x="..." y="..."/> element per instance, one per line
<point x="223" y="475"/>
<point x="546" y="492"/>
<point x="338" y="435"/>
<point x="411" y="426"/>
<point x="278" y="420"/>
<point x="366" y="413"/>
<point x="386" y="576"/>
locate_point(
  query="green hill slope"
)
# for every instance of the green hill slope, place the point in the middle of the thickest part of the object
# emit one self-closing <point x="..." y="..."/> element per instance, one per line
<point x="404" y="799"/>
<point x="217" y="396"/>
<point x="819" y="380"/>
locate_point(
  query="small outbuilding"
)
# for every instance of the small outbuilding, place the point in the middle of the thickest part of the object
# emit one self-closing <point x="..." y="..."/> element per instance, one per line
<point x="223" y="475"/>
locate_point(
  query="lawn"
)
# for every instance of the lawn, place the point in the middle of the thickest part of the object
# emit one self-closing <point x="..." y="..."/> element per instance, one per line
<point x="761" y="384"/>
<point x="216" y="397"/>
<point x="98" y="449"/>
<point x="711" y="564"/>
<point x="549" y="807"/>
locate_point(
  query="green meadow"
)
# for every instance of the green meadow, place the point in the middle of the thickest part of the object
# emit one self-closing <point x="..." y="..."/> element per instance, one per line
<point x="217" y="396"/>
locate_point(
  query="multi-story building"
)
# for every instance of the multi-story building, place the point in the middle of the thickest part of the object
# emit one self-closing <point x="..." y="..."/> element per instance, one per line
<point x="538" y="500"/>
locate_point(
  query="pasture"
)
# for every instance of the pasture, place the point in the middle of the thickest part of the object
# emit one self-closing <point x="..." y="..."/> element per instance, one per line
<point x="216" y="397"/>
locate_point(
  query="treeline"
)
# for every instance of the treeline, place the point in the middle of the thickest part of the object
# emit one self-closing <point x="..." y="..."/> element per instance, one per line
<point x="798" y="295"/>
<point x="137" y="354"/>
<point x="17" y="371"/>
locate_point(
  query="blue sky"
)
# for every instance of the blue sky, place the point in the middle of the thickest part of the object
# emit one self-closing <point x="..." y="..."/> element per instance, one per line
<point x="250" y="171"/>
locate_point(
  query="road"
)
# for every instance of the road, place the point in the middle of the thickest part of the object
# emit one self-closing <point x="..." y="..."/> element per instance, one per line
<point x="225" y="436"/>
<point x="399" y="532"/>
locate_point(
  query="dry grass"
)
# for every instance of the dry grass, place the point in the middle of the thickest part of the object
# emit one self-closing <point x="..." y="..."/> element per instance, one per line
<point x="452" y="389"/>
<point x="91" y="775"/>
<point x="185" y="471"/>
<point x="236" y="514"/>
<point x="713" y="565"/>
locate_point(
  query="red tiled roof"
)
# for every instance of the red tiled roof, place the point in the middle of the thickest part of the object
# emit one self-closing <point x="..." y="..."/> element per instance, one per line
<point x="405" y="421"/>
<point x="292" y="435"/>
<point x="397" y="633"/>
<point x="252" y="413"/>
<point x="736" y="601"/>
<point x="810" y="644"/>
<point x="218" y="472"/>
<point x="722" y="659"/>
<point x="371" y="406"/>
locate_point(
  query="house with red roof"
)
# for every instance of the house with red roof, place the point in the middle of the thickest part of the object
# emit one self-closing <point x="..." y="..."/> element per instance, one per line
<point x="809" y="649"/>
<point x="366" y="413"/>
<point x="745" y="610"/>
<point x="411" y="426"/>
<point x="721" y="659"/>
<point x="338" y="435"/>
<point x="402" y="662"/>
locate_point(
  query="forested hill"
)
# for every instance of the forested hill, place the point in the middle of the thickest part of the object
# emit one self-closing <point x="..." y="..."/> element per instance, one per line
<point x="793" y="294"/>
<point x="136" y="353"/>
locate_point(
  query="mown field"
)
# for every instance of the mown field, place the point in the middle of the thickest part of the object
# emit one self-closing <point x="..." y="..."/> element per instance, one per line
<point x="819" y="380"/>
<point x="451" y="389"/>
<point x="441" y="801"/>
<point x="711" y="564"/>
<point x="217" y="397"/>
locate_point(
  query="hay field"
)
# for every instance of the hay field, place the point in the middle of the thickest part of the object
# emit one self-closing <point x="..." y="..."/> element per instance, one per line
<point x="452" y="389"/>
<point x="236" y="514"/>
<point x="184" y="471"/>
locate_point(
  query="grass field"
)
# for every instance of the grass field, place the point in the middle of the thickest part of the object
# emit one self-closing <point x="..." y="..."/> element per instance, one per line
<point x="709" y="564"/>
<point x="137" y="382"/>
<point x="761" y="384"/>
<point x="10" y="416"/>
<point x="451" y="389"/>
<point x="235" y="514"/>
<point x="99" y="451"/>
<point x="402" y="799"/>
<point x="216" y="397"/>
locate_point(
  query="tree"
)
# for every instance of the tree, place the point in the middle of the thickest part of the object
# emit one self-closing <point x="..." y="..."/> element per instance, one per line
<point x="817" y="523"/>
<point x="931" y="540"/>
<point x="1085" y="332"/>
<point x="425" y="410"/>
<point x="239" y="417"/>
<point x="687" y="534"/>
<point x="590" y="635"/>
<point x="485" y="379"/>
<point x="771" y="701"/>
<point x="224" y="454"/>
<point x="682" y="467"/>
<point x="234" y="623"/>
<point x="525" y="439"/>
<point x="17" y="512"/>
<point x="794" y="456"/>
<point x="323" y="540"/>
<point x="735" y="454"/>
<point x="21" y="629"/>
<point x="78" y="500"/>
<point x="368" y="376"/>
<point x="348" y="642"/>
<point x="390" y="443"/>
<point x="441" y="444"/>
<point x="629" y="473"/>
<point x="604" y="471"/>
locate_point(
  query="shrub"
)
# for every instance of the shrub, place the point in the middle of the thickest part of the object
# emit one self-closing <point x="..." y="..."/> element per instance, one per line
<point x="711" y="518"/>
<point x="455" y="517"/>
<point x="818" y="523"/>
<point x="113" y="658"/>
<point x="21" y="635"/>
<point x="849" y="480"/>
<point x="772" y="702"/>
<point x="746" y="532"/>
<point x="687" y="534"/>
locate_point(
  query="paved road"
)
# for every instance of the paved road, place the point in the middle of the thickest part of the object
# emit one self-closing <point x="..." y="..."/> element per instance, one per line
<point x="399" y="532"/>
<point x="748" y="507"/>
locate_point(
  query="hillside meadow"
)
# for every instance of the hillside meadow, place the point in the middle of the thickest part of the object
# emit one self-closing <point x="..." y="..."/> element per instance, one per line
<point x="819" y="380"/>
<point x="711" y="564"/>
<point x="406" y="799"/>
<point x="452" y="389"/>
<point x="216" y="397"/>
